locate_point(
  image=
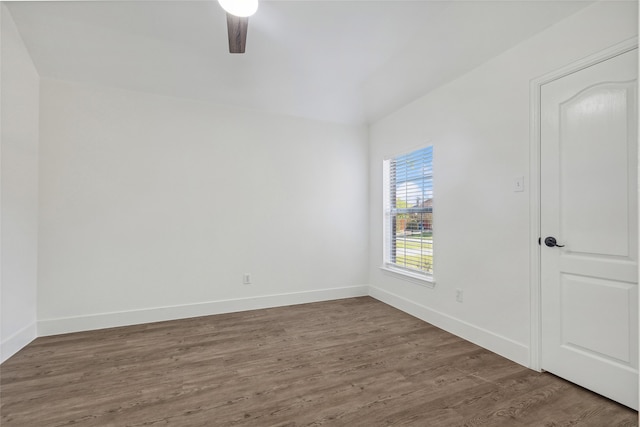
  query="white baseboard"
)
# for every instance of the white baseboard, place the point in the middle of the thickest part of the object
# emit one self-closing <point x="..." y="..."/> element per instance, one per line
<point x="17" y="341"/>
<point x="125" y="318"/>
<point x="503" y="346"/>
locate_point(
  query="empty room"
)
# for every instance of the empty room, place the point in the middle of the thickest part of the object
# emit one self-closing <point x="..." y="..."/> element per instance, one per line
<point x="319" y="212"/>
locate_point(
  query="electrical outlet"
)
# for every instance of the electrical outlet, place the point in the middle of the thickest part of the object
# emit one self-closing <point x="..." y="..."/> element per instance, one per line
<point x="246" y="278"/>
<point x="459" y="295"/>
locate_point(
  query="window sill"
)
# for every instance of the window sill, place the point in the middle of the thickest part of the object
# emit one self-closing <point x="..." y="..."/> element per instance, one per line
<point x="419" y="279"/>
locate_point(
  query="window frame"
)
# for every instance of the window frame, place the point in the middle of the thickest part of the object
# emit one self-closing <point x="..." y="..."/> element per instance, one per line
<point x="388" y="267"/>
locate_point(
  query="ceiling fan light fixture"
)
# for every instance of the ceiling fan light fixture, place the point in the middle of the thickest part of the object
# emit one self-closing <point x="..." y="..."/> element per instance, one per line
<point x="241" y="8"/>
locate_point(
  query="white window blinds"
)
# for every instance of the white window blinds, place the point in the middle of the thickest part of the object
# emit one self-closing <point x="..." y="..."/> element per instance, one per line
<point x="409" y="212"/>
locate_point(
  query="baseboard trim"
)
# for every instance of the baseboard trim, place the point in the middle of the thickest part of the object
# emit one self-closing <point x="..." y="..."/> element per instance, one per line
<point x="503" y="346"/>
<point x="17" y="341"/>
<point x="64" y="325"/>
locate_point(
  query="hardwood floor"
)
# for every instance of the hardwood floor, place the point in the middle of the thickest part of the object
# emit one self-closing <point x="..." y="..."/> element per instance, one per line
<point x="353" y="362"/>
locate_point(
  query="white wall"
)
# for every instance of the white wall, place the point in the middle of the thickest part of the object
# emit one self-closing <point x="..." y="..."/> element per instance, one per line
<point x="19" y="182"/>
<point x="153" y="208"/>
<point x="479" y="126"/>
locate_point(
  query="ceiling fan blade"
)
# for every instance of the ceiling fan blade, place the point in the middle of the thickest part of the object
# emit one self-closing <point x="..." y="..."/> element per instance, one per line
<point x="237" y="29"/>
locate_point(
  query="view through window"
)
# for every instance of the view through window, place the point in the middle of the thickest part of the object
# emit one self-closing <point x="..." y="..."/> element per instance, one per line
<point x="409" y="212"/>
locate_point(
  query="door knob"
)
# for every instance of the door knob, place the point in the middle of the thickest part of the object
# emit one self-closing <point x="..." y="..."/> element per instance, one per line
<point x="551" y="242"/>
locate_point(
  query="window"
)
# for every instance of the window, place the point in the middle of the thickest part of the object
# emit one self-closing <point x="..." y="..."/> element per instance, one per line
<point x="408" y="229"/>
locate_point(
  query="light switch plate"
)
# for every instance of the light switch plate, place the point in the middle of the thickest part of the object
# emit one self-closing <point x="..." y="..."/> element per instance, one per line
<point x="518" y="184"/>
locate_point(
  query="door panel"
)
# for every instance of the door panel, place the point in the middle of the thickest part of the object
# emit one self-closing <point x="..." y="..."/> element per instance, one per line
<point x="597" y="331"/>
<point x="589" y="203"/>
<point x="594" y="132"/>
<point x="594" y="139"/>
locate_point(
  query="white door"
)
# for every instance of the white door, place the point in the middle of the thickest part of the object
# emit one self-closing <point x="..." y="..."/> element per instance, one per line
<point x="589" y="204"/>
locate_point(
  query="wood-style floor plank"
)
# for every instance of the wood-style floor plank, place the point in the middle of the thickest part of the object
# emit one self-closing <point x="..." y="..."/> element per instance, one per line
<point x="353" y="362"/>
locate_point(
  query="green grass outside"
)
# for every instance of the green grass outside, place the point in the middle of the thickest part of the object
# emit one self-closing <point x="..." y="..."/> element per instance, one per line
<point x="425" y="262"/>
<point x="407" y="244"/>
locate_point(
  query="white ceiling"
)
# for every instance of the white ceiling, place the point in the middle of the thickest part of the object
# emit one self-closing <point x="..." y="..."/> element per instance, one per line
<point x="343" y="61"/>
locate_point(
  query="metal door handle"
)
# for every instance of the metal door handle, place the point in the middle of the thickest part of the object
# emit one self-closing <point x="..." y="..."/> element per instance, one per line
<point x="551" y="242"/>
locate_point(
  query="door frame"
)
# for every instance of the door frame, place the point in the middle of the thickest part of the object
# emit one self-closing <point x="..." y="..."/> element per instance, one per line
<point x="535" y="285"/>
